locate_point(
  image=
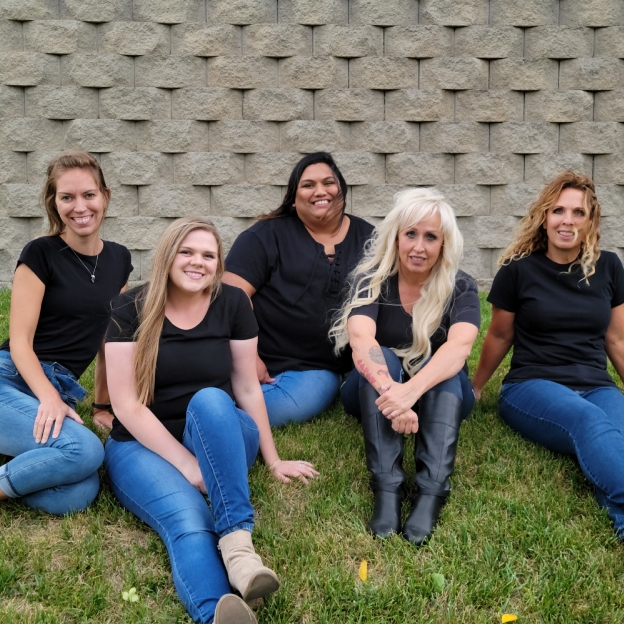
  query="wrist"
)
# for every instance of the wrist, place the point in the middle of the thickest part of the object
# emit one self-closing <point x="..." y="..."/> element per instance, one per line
<point x="274" y="463"/>
<point x="101" y="406"/>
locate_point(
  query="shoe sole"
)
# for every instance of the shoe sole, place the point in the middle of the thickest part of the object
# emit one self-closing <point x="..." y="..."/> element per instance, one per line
<point x="263" y="583"/>
<point x="232" y="610"/>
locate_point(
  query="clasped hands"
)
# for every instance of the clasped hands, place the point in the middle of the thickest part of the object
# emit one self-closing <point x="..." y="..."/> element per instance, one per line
<point x="395" y="403"/>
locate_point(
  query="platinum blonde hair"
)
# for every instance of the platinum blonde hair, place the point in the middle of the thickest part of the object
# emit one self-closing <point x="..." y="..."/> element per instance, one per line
<point x="381" y="261"/>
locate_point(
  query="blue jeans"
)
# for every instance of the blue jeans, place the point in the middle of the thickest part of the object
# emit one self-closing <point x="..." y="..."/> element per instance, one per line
<point x="60" y="476"/>
<point x="225" y="441"/>
<point x="588" y="425"/>
<point x="297" y="396"/>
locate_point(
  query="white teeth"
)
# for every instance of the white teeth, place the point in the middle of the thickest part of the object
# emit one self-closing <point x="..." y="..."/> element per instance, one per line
<point x="81" y="220"/>
<point x="322" y="202"/>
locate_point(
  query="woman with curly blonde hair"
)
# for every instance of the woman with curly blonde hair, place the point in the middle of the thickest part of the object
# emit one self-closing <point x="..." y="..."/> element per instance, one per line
<point x="411" y="310"/>
<point x="559" y="301"/>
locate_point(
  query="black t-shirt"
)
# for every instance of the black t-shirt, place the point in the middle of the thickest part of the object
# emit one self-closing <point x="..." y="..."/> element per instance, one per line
<point x="74" y="311"/>
<point x="560" y="321"/>
<point x="394" y="324"/>
<point x="188" y="359"/>
<point x="297" y="290"/>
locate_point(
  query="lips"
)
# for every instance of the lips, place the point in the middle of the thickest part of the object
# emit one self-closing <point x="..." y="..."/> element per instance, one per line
<point x="194" y="275"/>
<point x="82" y="220"/>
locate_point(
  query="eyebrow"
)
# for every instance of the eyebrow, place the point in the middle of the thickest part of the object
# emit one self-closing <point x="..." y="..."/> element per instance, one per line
<point x="70" y="192"/>
<point x="331" y="177"/>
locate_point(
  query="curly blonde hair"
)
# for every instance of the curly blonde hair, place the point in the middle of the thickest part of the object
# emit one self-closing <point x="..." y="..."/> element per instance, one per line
<point x="531" y="235"/>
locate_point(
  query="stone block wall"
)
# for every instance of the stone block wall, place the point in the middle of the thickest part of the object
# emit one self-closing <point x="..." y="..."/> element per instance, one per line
<point x="203" y="106"/>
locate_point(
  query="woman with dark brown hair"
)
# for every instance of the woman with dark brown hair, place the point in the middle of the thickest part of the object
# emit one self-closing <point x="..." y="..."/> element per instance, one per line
<point x="559" y="301"/>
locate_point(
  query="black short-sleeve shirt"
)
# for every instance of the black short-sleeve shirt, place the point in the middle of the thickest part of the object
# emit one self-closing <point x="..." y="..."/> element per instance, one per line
<point x="297" y="290"/>
<point x="560" y="321"/>
<point x="74" y="310"/>
<point x="394" y="324"/>
<point x="188" y="359"/>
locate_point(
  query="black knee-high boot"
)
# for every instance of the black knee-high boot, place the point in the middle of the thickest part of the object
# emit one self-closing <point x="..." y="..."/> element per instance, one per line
<point x="439" y="420"/>
<point x="384" y="458"/>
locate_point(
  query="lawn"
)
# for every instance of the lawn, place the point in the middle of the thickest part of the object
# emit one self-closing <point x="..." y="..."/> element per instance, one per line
<point x="521" y="534"/>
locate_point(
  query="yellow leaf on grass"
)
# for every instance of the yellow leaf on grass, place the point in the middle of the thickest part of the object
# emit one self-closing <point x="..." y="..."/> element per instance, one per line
<point x="509" y="617"/>
<point x="364" y="570"/>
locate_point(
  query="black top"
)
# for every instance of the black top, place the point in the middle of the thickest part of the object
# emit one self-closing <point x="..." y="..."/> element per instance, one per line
<point x="297" y="290"/>
<point x="188" y="359"/>
<point x="74" y="311"/>
<point x="560" y="321"/>
<point x="394" y="324"/>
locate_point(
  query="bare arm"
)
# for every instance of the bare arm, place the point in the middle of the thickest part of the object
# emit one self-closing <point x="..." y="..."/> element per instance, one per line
<point x="248" y="394"/>
<point x="497" y="343"/>
<point x="614" y="343"/>
<point x="26" y="298"/>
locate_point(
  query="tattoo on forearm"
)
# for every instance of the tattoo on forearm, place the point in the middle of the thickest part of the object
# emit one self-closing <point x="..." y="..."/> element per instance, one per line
<point x="376" y="354"/>
<point x="368" y="375"/>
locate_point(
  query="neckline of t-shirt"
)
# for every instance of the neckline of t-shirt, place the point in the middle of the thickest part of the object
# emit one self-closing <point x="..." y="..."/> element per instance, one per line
<point x="64" y="246"/>
<point x="344" y="240"/>
<point x="552" y="263"/>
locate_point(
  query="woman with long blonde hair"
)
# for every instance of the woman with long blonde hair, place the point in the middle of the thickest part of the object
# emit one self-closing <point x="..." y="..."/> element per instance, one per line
<point x="411" y="320"/>
<point x="190" y="418"/>
<point x="558" y="299"/>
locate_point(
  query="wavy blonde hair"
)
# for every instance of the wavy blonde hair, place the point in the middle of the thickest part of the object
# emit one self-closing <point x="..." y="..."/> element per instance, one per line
<point x="151" y="303"/>
<point x="531" y="235"/>
<point x="381" y="261"/>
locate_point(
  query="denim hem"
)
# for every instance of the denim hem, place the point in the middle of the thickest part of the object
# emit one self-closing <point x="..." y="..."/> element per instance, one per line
<point x="5" y="483"/>
<point x="243" y="526"/>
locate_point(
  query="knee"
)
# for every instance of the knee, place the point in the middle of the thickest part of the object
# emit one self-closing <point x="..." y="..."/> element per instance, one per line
<point x="213" y="406"/>
<point x="83" y="447"/>
<point x="452" y="385"/>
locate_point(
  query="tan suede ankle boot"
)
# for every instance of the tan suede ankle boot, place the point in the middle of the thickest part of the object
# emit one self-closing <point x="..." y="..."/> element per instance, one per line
<point x="232" y="610"/>
<point x="244" y="567"/>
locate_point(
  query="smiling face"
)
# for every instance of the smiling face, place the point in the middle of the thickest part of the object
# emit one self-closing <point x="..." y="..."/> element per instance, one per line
<point x="318" y="194"/>
<point x="196" y="262"/>
<point x="419" y="247"/>
<point x="80" y="203"/>
<point x="566" y="225"/>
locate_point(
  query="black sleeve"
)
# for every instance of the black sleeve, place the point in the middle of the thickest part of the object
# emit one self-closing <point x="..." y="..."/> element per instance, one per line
<point x="618" y="283"/>
<point x="466" y="306"/>
<point x="124" y="320"/>
<point x="127" y="261"/>
<point x="35" y="258"/>
<point x="245" y="325"/>
<point x="249" y="259"/>
<point x="371" y="310"/>
<point x="504" y="292"/>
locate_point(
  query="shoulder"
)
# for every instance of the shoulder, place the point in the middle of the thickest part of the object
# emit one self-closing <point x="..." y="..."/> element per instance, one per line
<point x="116" y="249"/>
<point x="465" y="282"/>
<point x="43" y="245"/>
<point x="609" y="259"/>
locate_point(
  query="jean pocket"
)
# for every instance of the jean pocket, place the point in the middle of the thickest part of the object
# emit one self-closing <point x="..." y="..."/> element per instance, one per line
<point x="65" y="383"/>
<point x="8" y="370"/>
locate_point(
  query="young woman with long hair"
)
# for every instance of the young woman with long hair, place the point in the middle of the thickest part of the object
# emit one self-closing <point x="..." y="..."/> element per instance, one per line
<point x="190" y="418"/>
<point x="411" y="320"/>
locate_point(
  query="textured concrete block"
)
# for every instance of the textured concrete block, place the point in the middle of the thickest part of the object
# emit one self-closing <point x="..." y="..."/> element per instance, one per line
<point x="612" y="234"/>
<point x="8" y="262"/>
<point x="591" y="74"/>
<point x="388" y="13"/>
<point x="596" y="13"/>
<point x="320" y="72"/>
<point x="134" y="103"/>
<point x="98" y="70"/>
<point x="559" y="106"/>
<point x="513" y="199"/>
<point x="453" y="73"/>
<point x="168" y="11"/>
<point x="15" y="231"/>
<point x="172" y="136"/>
<point x="541" y="168"/>
<point x="207" y="103"/>
<point x="494" y="232"/>
<point x="609" y="42"/>
<point x="348" y="41"/>
<point x="314" y="136"/>
<point x="278" y="104"/>
<point x="244" y="136"/>
<point x="385" y="137"/>
<point x="591" y="137"/>
<point x="382" y="73"/>
<point x="611" y="198"/>
<point x="134" y="38"/>
<point x="209" y="168"/>
<point x="202" y="39"/>
<point x="27" y="69"/>
<point x="491" y="105"/>
<point x="244" y="200"/>
<point x="524" y="137"/>
<point x="361" y="167"/>
<point x="37" y="165"/>
<point x="524" y="74"/>
<point x="11" y="36"/>
<point x="22" y="200"/>
<point x="242" y="12"/>
<point x="28" y="135"/>
<point x="137" y="168"/>
<point x="124" y="201"/>
<point x="609" y="169"/>
<point x="314" y="12"/>
<point x="173" y="200"/>
<point x="467" y="200"/>
<point x="478" y="262"/>
<point x="12" y="168"/>
<point x="242" y="72"/>
<point x="489" y="168"/>
<point x="489" y="42"/>
<point x="559" y="42"/>
<point x="271" y="168"/>
<point x="524" y="13"/>
<point x="60" y="36"/>
<point x="419" y="168"/>
<point x="373" y="200"/>
<point x="349" y="104"/>
<point x="460" y="137"/>
<point x="452" y="13"/>
<point x="277" y="40"/>
<point x="11" y="101"/>
<point x="419" y="105"/>
<point x="61" y="102"/>
<point x="419" y="41"/>
<point x="97" y="11"/>
<point x="24" y="10"/>
<point x="100" y="135"/>
<point x="170" y="72"/>
<point x="609" y="106"/>
<point x="136" y="232"/>
<point x="230" y="228"/>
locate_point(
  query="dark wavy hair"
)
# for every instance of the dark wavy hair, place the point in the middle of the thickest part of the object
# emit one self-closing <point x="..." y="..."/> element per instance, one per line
<point x="287" y="206"/>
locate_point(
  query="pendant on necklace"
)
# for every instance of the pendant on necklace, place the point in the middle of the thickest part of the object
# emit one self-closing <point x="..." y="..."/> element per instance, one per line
<point x="92" y="278"/>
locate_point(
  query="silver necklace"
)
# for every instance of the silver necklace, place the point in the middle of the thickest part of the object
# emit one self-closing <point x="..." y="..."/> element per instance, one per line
<point x="85" y="266"/>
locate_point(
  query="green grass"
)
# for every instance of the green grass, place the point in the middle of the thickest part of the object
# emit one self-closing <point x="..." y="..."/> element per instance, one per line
<point x="521" y="533"/>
